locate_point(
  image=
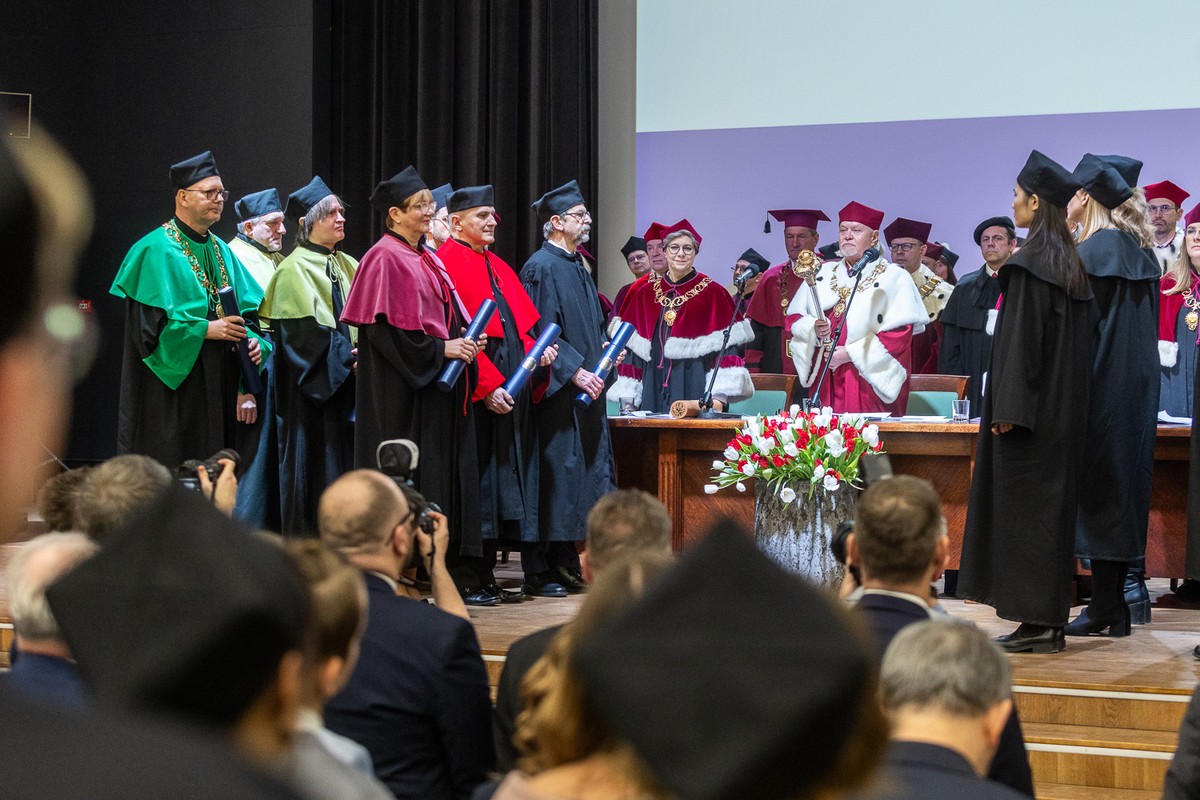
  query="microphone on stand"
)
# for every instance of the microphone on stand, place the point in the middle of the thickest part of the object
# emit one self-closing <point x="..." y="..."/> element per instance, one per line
<point x="749" y="271"/>
<point x="867" y="257"/>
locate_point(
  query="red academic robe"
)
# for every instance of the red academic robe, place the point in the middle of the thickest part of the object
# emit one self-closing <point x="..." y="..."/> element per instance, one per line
<point x="767" y="309"/>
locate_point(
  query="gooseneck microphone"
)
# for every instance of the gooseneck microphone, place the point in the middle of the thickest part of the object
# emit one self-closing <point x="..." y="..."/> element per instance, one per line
<point x="867" y="257"/>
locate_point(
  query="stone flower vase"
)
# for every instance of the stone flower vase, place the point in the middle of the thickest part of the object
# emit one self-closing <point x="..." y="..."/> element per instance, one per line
<point x="796" y="535"/>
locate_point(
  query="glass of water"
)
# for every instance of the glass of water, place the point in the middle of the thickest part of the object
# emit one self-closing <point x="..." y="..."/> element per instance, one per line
<point x="960" y="410"/>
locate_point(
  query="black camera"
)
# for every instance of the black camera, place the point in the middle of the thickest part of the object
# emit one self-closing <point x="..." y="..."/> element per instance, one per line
<point x="185" y="473"/>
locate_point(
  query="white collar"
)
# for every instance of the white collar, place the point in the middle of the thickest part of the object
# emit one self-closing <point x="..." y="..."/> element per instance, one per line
<point x="390" y="581"/>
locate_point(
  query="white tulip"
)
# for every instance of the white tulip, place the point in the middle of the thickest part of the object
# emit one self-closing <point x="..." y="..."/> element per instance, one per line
<point x="711" y="488"/>
<point x="836" y="443"/>
<point x="730" y="453"/>
<point x="748" y="469"/>
<point x="830" y="483"/>
<point x="741" y="487"/>
<point x="870" y="435"/>
<point x="718" y="465"/>
<point x="787" y="494"/>
<point x="791" y="449"/>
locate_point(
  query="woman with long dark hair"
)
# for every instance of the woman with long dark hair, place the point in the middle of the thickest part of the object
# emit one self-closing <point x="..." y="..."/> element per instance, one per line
<point x="1018" y="548"/>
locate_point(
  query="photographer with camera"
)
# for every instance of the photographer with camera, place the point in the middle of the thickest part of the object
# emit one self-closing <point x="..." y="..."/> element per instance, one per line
<point x="418" y="697"/>
<point x="431" y="537"/>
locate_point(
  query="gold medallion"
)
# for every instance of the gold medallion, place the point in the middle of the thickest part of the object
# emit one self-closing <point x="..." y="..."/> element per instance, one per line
<point x="669" y="317"/>
<point x="1192" y="319"/>
<point x="839" y="307"/>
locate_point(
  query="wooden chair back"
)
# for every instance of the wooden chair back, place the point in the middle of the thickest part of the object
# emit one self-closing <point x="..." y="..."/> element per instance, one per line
<point x="940" y="383"/>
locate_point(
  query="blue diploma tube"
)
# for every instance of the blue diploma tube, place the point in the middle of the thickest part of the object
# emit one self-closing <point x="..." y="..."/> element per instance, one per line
<point x="455" y="367"/>
<point x="251" y="380"/>
<point x="521" y="377"/>
<point x="608" y="360"/>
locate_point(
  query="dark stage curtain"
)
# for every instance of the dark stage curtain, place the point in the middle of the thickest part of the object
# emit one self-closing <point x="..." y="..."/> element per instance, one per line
<point x="469" y="91"/>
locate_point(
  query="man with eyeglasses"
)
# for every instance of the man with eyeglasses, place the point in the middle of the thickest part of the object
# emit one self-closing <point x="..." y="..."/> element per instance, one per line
<point x="180" y="380"/>
<point x="908" y="242"/>
<point x="871" y="360"/>
<point x="576" y="453"/>
<point x="1164" y="201"/>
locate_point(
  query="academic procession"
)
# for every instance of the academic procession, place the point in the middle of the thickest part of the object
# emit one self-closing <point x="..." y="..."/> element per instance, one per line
<point x="360" y="439"/>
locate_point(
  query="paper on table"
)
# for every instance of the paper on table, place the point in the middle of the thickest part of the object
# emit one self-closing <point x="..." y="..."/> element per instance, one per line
<point x="1165" y="417"/>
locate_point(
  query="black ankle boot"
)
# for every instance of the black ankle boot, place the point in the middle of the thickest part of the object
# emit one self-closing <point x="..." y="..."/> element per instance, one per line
<point x="1033" y="639"/>
<point x="1137" y="597"/>
<point x="1086" y="625"/>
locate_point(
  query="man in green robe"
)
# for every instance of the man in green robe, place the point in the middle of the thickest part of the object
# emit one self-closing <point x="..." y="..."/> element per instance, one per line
<point x="180" y="379"/>
<point x="260" y="229"/>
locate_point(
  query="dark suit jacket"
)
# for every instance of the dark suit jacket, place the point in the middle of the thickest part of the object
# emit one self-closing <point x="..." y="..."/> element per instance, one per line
<point x="1183" y="777"/>
<point x="886" y="616"/>
<point x="47" y="678"/>
<point x="929" y="772"/>
<point x="417" y="699"/>
<point x="522" y="655"/>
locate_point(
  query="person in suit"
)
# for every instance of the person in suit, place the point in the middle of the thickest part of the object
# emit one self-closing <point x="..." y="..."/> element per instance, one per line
<point x="418" y="697"/>
<point x="947" y="691"/>
<point x="899" y="545"/>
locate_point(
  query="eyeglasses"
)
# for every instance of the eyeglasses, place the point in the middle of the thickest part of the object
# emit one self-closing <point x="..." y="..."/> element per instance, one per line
<point x="903" y="247"/>
<point x="1161" y="209"/>
<point x="686" y="249"/>
<point x="579" y="215"/>
<point x="211" y="194"/>
<point x="426" y="207"/>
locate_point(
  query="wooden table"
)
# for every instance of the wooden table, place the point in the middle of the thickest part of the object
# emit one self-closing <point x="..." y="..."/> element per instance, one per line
<point x="672" y="459"/>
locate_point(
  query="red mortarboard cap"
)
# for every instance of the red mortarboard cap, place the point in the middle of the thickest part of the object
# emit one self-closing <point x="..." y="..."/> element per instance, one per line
<point x="932" y="249"/>
<point x="1192" y="216"/>
<point x="655" y="231"/>
<point x="682" y="225"/>
<point x="1168" y="190"/>
<point x="797" y="218"/>
<point x="857" y="212"/>
<point x="902" y="228"/>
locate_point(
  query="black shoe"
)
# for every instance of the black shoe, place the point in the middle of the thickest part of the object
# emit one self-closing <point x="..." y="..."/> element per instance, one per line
<point x="506" y="595"/>
<point x="1084" y="625"/>
<point x="571" y="578"/>
<point x="479" y="596"/>
<point x="544" y="584"/>
<point x="1188" y="593"/>
<point x="1196" y="651"/>
<point x="1137" y="597"/>
<point x="1033" y="639"/>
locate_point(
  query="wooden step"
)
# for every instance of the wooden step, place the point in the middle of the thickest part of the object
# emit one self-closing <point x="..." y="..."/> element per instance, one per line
<point x="1100" y="736"/>
<point x="1098" y="769"/>
<point x="1113" y="709"/>
<point x="1066" y="791"/>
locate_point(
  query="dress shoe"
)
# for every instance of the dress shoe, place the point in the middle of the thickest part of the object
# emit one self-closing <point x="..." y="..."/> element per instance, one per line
<point x="571" y="578"/>
<point x="479" y="596"/>
<point x="506" y="595"/>
<point x="1033" y="639"/>
<point x="1137" y="597"/>
<point x="1196" y="651"/>
<point x="544" y="584"/>
<point x="1188" y="593"/>
<point x="1085" y="625"/>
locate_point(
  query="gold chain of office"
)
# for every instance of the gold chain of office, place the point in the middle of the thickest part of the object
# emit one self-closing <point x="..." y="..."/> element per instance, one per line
<point x="1192" y="318"/>
<point x="672" y="304"/>
<point x="844" y="293"/>
<point x="174" y="234"/>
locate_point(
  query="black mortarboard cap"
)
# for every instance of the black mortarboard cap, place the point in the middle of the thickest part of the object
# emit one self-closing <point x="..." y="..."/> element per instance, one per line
<point x="828" y="251"/>
<point x="1130" y="168"/>
<point x="729" y="695"/>
<point x="1048" y="179"/>
<point x="192" y="170"/>
<point x="1102" y="181"/>
<point x="471" y="197"/>
<point x="556" y="201"/>
<point x="184" y="613"/>
<point x="396" y="189"/>
<point x="754" y="257"/>
<point x="301" y="200"/>
<point x="634" y="244"/>
<point x="948" y="255"/>
<point x="257" y="204"/>
<point x="441" y="195"/>
<point x="1003" y="222"/>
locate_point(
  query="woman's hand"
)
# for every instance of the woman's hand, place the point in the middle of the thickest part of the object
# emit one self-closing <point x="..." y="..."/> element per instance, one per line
<point x="548" y="356"/>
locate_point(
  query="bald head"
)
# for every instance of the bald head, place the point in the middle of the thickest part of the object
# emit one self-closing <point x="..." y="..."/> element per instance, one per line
<point x="360" y="510"/>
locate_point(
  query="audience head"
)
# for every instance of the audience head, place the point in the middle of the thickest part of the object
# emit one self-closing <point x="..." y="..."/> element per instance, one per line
<point x="260" y="218"/>
<point x="899" y="536"/>
<point x="114" y="491"/>
<point x="187" y="614"/>
<point x="58" y="498"/>
<point x="363" y="515"/>
<point x="768" y="693"/>
<point x="199" y="192"/>
<point x="624" y="523"/>
<point x="40" y="562"/>
<point x="945" y="682"/>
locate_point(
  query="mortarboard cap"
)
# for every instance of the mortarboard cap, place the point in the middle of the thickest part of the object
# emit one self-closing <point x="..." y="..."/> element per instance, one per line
<point x="441" y="196"/>
<point x="796" y="218"/>
<point x="903" y="228"/>
<point x="990" y="222"/>
<point x="947" y="255"/>
<point x="829" y="252"/>
<point x="655" y="231"/>
<point x="1168" y="190"/>
<point x="1192" y="216"/>
<point x="634" y="244"/>
<point x="300" y="201"/>
<point x="754" y="257"/>
<point x="1048" y="179"/>
<point x="933" y="250"/>
<point x="185" y="612"/>
<point x="790" y="675"/>
<point x="396" y="189"/>
<point x="556" y="201"/>
<point x="682" y="225"/>
<point x="192" y="170"/>
<point x="1102" y="181"/>
<point x="865" y="215"/>
<point x="471" y="197"/>
<point x="258" y="204"/>
<point x="1130" y="168"/>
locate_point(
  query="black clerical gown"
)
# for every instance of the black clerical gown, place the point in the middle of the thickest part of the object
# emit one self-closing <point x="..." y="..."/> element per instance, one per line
<point x="1123" y="415"/>
<point x="1019" y="542"/>
<point x="966" y="347"/>
<point x="576" y="462"/>
<point x="1192" y="565"/>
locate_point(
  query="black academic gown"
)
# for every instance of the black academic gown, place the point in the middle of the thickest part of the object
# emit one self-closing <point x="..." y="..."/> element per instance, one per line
<point x="966" y="347"/>
<point x="1123" y="414"/>
<point x="398" y="398"/>
<point x="576" y="462"/>
<point x="1019" y="542"/>
<point x="507" y="443"/>
<point x="1192" y="562"/>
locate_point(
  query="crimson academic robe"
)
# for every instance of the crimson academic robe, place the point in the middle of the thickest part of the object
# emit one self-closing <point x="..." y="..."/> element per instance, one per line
<point x="669" y="362"/>
<point x="766" y="312"/>
<point x="507" y="444"/>
<point x="966" y="347"/>
<point x="1019" y="544"/>
<point x="405" y="309"/>
<point x="935" y="294"/>
<point x="1123" y="416"/>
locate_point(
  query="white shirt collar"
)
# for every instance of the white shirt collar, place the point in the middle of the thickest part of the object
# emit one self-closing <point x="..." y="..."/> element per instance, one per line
<point x="390" y="581"/>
